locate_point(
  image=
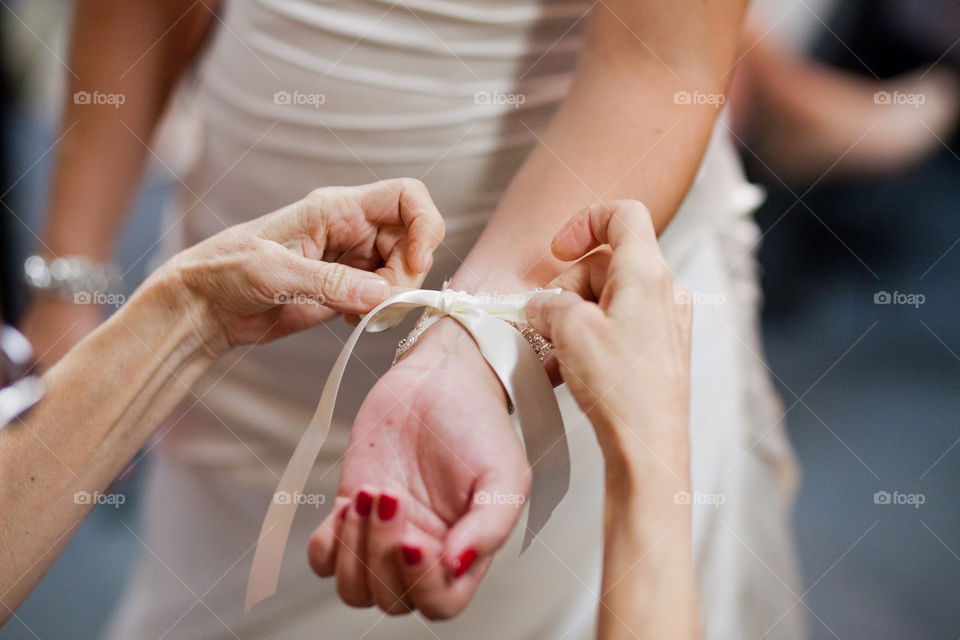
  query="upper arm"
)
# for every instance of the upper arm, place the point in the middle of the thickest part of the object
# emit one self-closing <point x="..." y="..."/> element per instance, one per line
<point x="688" y="39"/>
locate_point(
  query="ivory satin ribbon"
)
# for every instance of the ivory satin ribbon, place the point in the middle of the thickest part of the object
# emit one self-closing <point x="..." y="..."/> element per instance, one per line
<point x="487" y="319"/>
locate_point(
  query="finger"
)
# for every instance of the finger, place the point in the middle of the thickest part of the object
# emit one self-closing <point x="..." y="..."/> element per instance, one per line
<point x="397" y="271"/>
<point x="351" y="561"/>
<point x="493" y="513"/>
<point x="429" y="585"/>
<point x="323" y="542"/>
<point x="288" y="276"/>
<point x="586" y="277"/>
<point x="406" y="201"/>
<point x="387" y="524"/>
<point x="550" y="314"/>
<point x="618" y="223"/>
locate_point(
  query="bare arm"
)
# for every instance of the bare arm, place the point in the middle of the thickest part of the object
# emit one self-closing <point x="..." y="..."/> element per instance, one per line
<point x="115" y="387"/>
<point x="619" y="133"/>
<point x="631" y="322"/>
<point x="137" y="50"/>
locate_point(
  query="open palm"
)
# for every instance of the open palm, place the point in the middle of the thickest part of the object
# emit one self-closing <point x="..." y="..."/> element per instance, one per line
<point x="431" y="437"/>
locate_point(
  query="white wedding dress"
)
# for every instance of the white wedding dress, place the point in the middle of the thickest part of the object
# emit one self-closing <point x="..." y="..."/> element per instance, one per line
<point x="398" y="83"/>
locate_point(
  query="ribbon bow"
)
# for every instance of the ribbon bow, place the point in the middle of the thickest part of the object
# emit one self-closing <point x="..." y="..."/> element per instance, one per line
<point x="487" y="318"/>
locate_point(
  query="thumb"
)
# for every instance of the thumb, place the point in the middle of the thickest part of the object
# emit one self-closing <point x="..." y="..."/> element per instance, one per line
<point x="495" y="508"/>
<point x="332" y="284"/>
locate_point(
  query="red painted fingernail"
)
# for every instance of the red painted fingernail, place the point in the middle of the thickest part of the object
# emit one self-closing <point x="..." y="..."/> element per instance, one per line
<point x="387" y="507"/>
<point x="462" y="564"/>
<point x="343" y="513"/>
<point x="364" y="503"/>
<point x="411" y="555"/>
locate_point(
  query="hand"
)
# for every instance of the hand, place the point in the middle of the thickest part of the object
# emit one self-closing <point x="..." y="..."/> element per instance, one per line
<point x="621" y="327"/>
<point x="298" y="266"/>
<point x="432" y="434"/>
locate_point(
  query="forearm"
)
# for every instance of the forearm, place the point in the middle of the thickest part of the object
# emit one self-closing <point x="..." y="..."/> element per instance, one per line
<point x="648" y="588"/>
<point x="104" y="400"/>
<point x="619" y="134"/>
<point x="135" y="50"/>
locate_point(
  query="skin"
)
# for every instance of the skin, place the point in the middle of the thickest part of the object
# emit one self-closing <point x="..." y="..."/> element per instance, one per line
<point x="196" y="307"/>
<point x="619" y="133"/>
<point x="594" y="148"/>
<point x="809" y="122"/>
<point x="623" y="314"/>
<point x="620" y="313"/>
<point x="116" y="48"/>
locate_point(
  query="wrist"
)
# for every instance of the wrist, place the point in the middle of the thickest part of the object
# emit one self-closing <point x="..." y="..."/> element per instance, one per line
<point x="177" y="307"/>
<point x="447" y="343"/>
<point x="640" y="461"/>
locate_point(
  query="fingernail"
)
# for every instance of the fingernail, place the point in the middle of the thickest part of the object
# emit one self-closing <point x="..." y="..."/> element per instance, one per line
<point x="387" y="507"/>
<point x="411" y="555"/>
<point x="374" y="291"/>
<point x="343" y="513"/>
<point x="462" y="564"/>
<point x="364" y="503"/>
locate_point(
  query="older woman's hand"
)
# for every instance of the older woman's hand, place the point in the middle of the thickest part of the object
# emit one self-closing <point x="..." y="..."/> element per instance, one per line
<point x="622" y="330"/>
<point x="337" y="250"/>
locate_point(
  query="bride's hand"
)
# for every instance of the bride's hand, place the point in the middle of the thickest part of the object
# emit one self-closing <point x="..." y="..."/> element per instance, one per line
<point x="622" y="325"/>
<point x="337" y="250"/>
<point x="432" y="435"/>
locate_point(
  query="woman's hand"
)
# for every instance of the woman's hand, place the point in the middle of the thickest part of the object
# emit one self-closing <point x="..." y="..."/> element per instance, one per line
<point x="622" y="338"/>
<point x="621" y="332"/>
<point x="431" y="435"/>
<point x="337" y="250"/>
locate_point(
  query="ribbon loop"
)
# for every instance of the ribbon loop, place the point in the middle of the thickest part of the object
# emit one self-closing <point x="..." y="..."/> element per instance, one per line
<point x="517" y="366"/>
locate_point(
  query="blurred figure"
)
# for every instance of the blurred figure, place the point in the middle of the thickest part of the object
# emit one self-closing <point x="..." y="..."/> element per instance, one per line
<point x="806" y="119"/>
<point x="876" y="380"/>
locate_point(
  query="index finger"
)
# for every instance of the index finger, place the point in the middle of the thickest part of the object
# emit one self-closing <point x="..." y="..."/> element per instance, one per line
<point x="406" y="201"/>
<point x="619" y="223"/>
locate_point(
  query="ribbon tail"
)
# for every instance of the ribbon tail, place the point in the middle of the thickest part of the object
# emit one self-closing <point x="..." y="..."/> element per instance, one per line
<point x="544" y="436"/>
<point x="265" y="570"/>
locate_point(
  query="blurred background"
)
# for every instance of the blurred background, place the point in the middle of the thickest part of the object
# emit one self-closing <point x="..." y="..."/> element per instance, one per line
<point x="846" y="112"/>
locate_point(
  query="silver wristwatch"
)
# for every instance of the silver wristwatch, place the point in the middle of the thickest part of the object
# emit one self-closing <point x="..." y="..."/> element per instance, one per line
<point x="71" y="277"/>
<point x="20" y="388"/>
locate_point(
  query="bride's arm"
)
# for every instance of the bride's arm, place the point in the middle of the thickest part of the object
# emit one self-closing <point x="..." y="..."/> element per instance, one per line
<point x="620" y="133"/>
